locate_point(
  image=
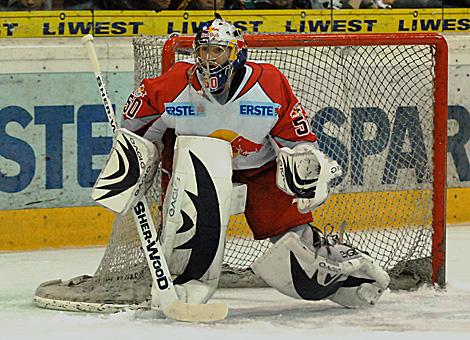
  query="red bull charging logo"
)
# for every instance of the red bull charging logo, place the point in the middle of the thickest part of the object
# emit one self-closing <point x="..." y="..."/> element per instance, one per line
<point x="240" y="145"/>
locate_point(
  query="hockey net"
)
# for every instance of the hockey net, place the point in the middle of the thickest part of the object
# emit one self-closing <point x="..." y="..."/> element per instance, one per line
<point x="378" y="104"/>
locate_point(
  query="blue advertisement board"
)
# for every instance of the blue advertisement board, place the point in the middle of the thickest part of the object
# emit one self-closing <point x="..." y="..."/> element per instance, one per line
<point x="51" y="152"/>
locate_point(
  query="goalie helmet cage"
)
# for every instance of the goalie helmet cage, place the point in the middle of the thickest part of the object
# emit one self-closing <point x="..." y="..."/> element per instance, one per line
<point x="378" y="104"/>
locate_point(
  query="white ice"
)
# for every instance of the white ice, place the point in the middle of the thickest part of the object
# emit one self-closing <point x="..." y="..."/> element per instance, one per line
<point x="254" y="313"/>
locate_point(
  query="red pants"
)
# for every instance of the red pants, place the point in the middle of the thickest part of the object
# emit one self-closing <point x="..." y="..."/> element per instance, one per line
<point x="269" y="211"/>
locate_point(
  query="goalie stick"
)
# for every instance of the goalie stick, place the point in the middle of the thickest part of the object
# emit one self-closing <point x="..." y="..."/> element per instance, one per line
<point x="169" y="303"/>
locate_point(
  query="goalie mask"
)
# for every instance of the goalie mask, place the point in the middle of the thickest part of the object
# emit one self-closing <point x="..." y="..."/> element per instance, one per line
<point x="220" y="50"/>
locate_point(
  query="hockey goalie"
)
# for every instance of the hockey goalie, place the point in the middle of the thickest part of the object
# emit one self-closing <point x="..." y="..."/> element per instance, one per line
<point x="231" y="136"/>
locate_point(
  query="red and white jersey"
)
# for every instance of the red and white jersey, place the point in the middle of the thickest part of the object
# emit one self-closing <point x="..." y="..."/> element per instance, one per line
<point x="261" y="114"/>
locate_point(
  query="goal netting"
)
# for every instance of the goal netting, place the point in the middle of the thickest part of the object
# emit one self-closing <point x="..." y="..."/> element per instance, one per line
<point x="378" y="106"/>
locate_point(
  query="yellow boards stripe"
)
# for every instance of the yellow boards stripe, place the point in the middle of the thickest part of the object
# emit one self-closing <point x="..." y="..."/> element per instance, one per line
<point x="458" y="205"/>
<point x="366" y="210"/>
<point x="54" y="228"/>
<point x="91" y="226"/>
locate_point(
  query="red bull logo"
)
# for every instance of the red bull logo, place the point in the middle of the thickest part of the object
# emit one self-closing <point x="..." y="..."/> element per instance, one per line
<point x="298" y="111"/>
<point x="240" y="145"/>
<point x="244" y="146"/>
<point x="211" y="32"/>
<point x="140" y="91"/>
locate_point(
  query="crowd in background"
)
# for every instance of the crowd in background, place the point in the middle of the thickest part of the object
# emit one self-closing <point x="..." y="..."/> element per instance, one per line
<point x="222" y="4"/>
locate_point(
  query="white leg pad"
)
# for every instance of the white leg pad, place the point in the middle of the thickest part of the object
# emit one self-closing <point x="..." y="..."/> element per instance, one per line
<point x="297" y="270"/>
<point x="196" y="213"/>
<point x="366" y="294"/>
<point x="335" y="271"/>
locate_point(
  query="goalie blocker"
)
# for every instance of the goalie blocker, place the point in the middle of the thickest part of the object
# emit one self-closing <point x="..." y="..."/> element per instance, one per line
<point x="128" y="172"/>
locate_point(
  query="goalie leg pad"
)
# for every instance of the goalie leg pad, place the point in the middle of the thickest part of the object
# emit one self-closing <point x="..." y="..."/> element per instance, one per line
<point x="366" y="280"/>
<point x="299" y="271"/>
<point x="196" y="214"/>
<point x="308" y="267"/>
<point x="356" y="294"/>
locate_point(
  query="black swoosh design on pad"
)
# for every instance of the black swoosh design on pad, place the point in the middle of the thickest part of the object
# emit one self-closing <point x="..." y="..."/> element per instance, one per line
<point x="205" y="242"/>
<point x="353" y="281"/>
<point x="309" y="288"/>
<point x="121" y="167"/>
<point x="187" y="223"/>
<point x="300" y="192"/>
<point x="132" y="173"/>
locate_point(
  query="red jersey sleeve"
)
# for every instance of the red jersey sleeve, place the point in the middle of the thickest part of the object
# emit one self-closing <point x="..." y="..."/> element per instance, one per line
<point x="147" y="103"/>
<point x="293" y="124"/>
<point x="142" y="107"/>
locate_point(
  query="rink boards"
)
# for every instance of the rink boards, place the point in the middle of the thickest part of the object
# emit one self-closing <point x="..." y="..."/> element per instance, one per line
<point x="91" y="226"/>
<point x="58" y="139"/>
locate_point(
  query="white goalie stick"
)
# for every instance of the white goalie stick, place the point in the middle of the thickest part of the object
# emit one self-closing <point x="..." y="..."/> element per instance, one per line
<point x="169" y="303"/>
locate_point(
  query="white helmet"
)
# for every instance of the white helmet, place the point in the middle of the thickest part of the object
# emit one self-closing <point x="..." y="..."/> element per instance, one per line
<point x="219" y="32"/>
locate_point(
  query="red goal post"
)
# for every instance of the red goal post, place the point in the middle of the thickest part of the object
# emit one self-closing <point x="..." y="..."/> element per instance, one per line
<point x="280" y="41"/>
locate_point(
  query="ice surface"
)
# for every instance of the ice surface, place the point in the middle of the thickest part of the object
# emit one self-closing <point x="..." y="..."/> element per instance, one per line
<point x="254" y="313"/>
